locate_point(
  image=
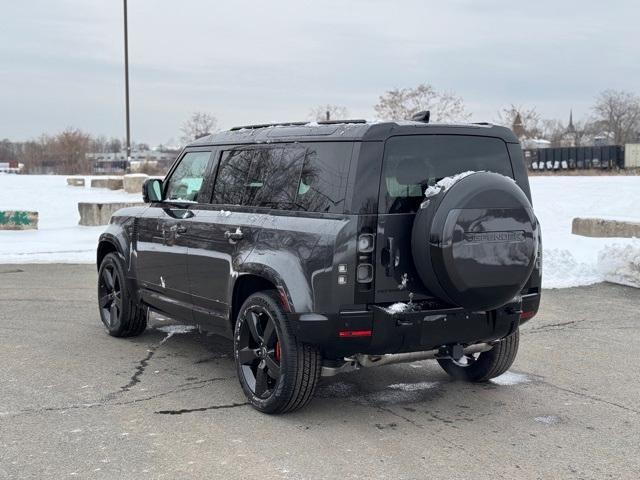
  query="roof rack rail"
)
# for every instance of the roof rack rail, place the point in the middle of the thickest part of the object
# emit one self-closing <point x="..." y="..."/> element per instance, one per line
<point x="338" y="122"/>
<point x="264" y="125"/>
<point x="296" y="124"/>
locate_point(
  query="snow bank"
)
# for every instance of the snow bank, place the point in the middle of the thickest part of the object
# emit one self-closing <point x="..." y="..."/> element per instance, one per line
<point x="621" y="263"/>
<point x="571" y="260"/>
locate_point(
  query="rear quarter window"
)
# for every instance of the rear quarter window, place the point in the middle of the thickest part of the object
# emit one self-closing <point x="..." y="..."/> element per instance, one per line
<point x="412" y="163"/>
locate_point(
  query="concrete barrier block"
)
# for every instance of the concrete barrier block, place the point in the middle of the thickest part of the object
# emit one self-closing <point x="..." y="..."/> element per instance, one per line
<point x="133" y="182"/>
<point x="112" y="183"/>
<point x="115" y="183"/>
<point x="18" y="220"/>
<point x="94" y="214"/>
<point x="75" y="181"/>
<point x="605" y="228"/>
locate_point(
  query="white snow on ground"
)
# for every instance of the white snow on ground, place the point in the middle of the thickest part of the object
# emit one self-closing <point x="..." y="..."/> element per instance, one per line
<point x="172" y="330"/>
<point x="547" y="419"/>
<point x="571" y="260"/>
<point x="621" y="263"/>
<point x="59" y="238"/>
<point x="510" y="378"/>
<point x="412" y="387"/>
<point x="568" y="260"/>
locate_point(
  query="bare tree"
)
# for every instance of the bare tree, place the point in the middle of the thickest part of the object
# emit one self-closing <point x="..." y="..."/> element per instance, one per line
<point x="403" y="103"/>
<point x="64" y="153"/>
<point x="198" y="125"/>
<point x="328" y="112"/>
<point x="619" y="112"/>
<point x="114" y="145"/>
<point x="525" y="122"/>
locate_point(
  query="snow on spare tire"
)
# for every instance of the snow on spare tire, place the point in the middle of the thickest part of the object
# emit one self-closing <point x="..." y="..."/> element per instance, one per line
<point x="475" y="240"/>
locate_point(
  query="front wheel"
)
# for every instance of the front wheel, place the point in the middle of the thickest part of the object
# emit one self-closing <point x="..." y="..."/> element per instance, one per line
<point x="120" y="312"/>
<point x="484" y="366"/>
<point x="277" y="373"/>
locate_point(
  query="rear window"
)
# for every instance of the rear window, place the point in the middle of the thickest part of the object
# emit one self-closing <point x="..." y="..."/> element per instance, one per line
<point x="412" y="163"/>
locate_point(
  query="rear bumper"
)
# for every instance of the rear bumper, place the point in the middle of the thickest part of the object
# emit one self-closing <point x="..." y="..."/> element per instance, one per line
<point x="408" y="331"/>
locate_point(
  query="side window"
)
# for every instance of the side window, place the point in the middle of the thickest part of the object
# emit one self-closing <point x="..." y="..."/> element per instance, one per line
<point x="323" y="181"/>
<point x="310" y="177"/>
<point x="273" y="177"/>
<point x="186" y="180"/>
<point x="232" y="176"/>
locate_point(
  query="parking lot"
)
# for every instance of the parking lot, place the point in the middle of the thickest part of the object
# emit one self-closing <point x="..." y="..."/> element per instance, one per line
<point x="76" y="403"/>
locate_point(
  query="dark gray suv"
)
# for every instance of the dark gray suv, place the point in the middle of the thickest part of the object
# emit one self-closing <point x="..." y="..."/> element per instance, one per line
<point x="323" y="248"/>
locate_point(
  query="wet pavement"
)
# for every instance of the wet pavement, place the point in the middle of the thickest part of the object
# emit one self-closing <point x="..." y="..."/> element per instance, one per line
<point x="76" y="403"/>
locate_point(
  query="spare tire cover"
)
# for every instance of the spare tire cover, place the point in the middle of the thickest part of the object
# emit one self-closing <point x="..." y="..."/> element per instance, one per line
<point x="475" y="244"/>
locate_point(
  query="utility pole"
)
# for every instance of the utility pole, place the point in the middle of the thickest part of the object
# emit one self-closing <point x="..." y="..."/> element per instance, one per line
<point x="126" y="81"/>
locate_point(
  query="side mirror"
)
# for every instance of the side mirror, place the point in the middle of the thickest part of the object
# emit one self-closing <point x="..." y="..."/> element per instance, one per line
<point x="152" y="190"/>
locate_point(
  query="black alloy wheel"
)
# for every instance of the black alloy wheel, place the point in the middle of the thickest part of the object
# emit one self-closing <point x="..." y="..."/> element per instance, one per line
<point x="121" y="312"/>
<point x="259" y="351"/>
<point x="277" y="372"/>
<point x="110" y="296"/>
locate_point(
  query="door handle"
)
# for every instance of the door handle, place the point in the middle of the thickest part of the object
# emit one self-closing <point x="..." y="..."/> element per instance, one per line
<point x="391" y="266"/>
<point x="233" y="237"/>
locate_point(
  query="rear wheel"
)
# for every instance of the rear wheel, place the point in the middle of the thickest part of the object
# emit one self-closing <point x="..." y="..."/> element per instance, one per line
<point x="120" y="311"/>
<point x="484" y="366"/>
<point x="277" y="372"/>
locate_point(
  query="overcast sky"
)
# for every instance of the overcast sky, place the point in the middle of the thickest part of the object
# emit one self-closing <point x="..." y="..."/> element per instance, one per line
<point x="61" y="62"/>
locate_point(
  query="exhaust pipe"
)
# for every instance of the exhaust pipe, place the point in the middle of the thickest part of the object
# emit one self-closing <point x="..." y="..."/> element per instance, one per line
<point x="388" y="359"/>
<point x="364" y="361"/>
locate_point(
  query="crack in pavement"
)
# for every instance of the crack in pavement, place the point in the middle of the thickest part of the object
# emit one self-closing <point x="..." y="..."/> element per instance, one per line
<point x="139" y="370"/>
<point x="591" y="397"/>
<point x="201" y="409"/>
<point x="185" y="387"/>
<point x="554" y="326"/>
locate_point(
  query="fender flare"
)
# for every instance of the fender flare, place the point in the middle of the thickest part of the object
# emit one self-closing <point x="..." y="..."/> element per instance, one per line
<point x="293" y="284"/>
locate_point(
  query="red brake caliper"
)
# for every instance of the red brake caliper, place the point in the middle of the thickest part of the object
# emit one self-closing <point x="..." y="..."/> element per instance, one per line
<point x="278" y="351"/>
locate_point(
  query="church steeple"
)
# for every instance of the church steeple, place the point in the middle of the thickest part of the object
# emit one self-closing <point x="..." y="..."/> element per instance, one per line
<point x="571" y="128"/>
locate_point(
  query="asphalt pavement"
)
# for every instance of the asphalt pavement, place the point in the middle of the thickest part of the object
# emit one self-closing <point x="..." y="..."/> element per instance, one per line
<point x="77" y="403"/>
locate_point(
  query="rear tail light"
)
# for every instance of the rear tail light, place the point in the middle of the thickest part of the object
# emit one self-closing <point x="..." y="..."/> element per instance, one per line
<point x="364" y="268"/>
<point x="365" y="243"/>
<point x="364" y="273"/>
<point x="527" y="315"/>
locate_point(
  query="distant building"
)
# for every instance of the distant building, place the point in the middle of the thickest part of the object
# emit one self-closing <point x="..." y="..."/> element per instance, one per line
<point x="532" y="143"/>
<point x="11" y="167"/>
<point x="118" y="162"/>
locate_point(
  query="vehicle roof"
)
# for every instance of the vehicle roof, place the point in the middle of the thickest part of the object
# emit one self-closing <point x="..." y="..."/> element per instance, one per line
<point x="353" y="130"/>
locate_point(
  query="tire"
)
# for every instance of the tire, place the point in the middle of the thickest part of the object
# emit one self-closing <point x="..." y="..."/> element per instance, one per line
<point x="265" y="347"/>
<point x="120" y="311"/>
<point x="487" y="365"/>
